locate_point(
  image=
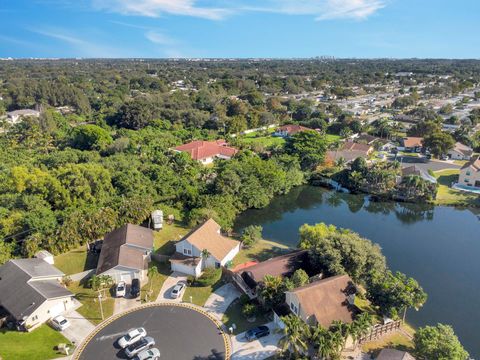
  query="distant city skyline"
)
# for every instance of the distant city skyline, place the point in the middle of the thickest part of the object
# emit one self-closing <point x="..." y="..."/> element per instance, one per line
<point x="240" y="28"/>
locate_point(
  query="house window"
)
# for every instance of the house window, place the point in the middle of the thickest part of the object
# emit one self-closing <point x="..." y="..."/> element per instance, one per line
<point x="187" y="251"/>
<point x="293" y="307"/>
<point x="217" y="265"/>
<point x="468" y="173"/>
<point x="467" y="180"/>
<point x="34" y="317"/>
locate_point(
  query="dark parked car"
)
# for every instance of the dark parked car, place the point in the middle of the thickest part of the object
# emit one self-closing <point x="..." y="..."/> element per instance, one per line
<point x="257" y="333"/>
<point x="135" y="288"/>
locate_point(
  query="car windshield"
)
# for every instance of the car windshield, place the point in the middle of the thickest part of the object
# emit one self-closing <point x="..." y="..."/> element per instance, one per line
<point x="120" y="287"/>
<point x="64" y="321"/>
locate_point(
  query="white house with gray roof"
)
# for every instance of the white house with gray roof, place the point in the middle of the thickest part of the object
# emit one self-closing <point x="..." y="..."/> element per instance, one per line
<point x="32" y="293"/>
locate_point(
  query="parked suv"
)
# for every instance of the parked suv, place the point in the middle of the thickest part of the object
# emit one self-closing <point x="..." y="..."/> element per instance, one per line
<point x="178" y="290"/>
<point x="135" y="288"/>
<point x="142" y="344"/>
<point x="257" y="333"/>
<point x="131" y="337"/>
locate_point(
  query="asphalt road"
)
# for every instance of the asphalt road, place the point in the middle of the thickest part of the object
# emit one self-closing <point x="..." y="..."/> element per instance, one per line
<point x="179" y="333"/>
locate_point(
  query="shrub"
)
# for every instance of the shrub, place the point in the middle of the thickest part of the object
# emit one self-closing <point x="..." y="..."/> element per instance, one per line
<point x="249" y="310"/>
<point x="209" y="277"/>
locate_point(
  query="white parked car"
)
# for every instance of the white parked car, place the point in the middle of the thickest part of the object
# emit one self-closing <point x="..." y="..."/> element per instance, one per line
<point x="141" y="345"/>
<point x="178" y="290"/>
<point x="131" y="337"/>
<point x="150" y="354"/>
<point x="121" y="289"/>
<point x="60" y="323"/>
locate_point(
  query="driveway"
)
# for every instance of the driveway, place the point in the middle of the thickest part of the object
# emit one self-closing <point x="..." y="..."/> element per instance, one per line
<point x="221" y="299"/>
<point x="79" y="327"/>
<point x="169" y="284"/>
<point x="258" y="349"/>
<point x="125" y="303"/>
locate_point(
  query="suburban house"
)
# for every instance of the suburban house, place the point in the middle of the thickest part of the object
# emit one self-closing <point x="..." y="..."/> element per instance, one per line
<point x="460" y="152"/>
<point x="206" y="151"/>
<point x="349" y="152"/>
<point x="392" y="354"/>
<point x="323" y="301"/>
<point x="366" y="139"/>
<point x="16" y="115"/>
<point x="289" y="130"/>
<point x="412" y="144"/>
<point x="32" y="293"/>
<point x="125" y="253"/>
<point x="418" y="171"/>
<point x="249" y="279"/>
<point x="470" y="173"/>
<point x="191" y="252"/>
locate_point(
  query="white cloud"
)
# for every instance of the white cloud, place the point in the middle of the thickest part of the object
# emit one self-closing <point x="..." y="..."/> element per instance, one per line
<point x="155" y="8"/>
<point x="322" y="9"/>
<point x="159" y="38"/>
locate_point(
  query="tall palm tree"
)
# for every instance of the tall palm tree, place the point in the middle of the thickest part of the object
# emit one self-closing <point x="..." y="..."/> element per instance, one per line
<point x="296" y="334"/>
<point x="152" y="271"/>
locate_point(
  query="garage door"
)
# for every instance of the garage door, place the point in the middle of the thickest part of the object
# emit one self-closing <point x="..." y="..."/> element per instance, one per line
<point x="184" y="269"/>
<point x="57" y="309"/>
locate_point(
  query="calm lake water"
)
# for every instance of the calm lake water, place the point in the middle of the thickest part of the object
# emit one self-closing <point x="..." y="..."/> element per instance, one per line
<point x="438" y="246"/>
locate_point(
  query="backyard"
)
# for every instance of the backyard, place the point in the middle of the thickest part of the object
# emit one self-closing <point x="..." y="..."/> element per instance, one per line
<point x="36" y="345"/>
<point x="164" y="240"/>
<point x="448" y="196"/>
<point x="260" y="251"/>
<point x="76" y="261"/>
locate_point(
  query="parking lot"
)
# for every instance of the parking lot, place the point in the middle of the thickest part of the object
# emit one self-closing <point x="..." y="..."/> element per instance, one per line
<point x="179" y="332"/>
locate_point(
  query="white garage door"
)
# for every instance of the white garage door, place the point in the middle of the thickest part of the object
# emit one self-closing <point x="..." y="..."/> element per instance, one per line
<point x="184" y="269"/>
<point x="57" y="309"/>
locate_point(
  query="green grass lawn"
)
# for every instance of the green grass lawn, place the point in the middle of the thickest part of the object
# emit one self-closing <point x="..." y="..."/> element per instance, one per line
<point x="448" y="196"/>
<point x="36" y="345"/>
<point x="265" y="141"/>
<point x="397" y="340"/>
<point x="332" y="138"/>
<point x="156" y="281"/>
<point x="164" y="240"/>
<point x="76" y="261"/>
<point x="200" y="294"/>
<point x="260" y="251"/>
<point x="90" y="308"/>
<point x="234" y="315"/>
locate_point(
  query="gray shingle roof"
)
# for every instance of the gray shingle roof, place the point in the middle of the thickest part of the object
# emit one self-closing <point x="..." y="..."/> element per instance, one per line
<point x="25" y="284"/>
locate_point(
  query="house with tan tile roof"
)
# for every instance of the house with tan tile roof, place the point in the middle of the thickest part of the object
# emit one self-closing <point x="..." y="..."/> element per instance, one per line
<point x="412" y="144"/>
<point x="207" y="151"/>
<point x="189" y="258"/>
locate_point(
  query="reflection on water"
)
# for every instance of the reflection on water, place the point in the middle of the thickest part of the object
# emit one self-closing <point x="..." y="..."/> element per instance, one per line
<point x="439" y="246"/>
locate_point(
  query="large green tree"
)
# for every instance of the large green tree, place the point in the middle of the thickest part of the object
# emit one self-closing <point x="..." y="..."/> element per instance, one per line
<point x="439" y="343"/>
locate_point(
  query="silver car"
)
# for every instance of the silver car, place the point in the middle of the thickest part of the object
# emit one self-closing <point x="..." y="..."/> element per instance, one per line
<point x="131" y="337"/>
<point x="178" y="290"/>
<point x="141" y="345"/>
<point x="150" y="354"/>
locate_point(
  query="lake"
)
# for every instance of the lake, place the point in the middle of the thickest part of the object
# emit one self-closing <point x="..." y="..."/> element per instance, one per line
<point x="438" y="246"/>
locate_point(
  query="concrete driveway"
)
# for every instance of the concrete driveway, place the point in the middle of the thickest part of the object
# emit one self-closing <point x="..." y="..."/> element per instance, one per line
<point x="79" y="327"/>
<point x="169" y="284"/>
<point x="258" y="349"/>
<point x="125" y="303"/>
<point x="221" y="299"/>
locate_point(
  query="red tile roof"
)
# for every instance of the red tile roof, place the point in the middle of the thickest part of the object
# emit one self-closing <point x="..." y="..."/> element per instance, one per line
<point x="199" y="149"/>
<point x="292" y="129"/>
<point x="410" y="142"/>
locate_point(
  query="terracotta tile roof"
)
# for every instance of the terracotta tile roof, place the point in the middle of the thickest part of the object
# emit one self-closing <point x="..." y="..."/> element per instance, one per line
<point x="292" y="129"/>
<point x="125" y="246"/>
<point x="327" y="299"/>
<point x="474" y="163"/>
<point x="208" y="236"/>
<point x="199" y="149"/>
<point x="412" y="142"/>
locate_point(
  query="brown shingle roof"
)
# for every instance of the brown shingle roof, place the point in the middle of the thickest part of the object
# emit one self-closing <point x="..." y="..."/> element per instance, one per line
<point x="283" y="265"/>
<point x="125" y="246"/>
<point x="353" y="146"/>
<point x="463" y="149"/>
<point x="392" y="354"/>
<point x="327" y="300"/>
<point x="208" y="236"/>
<point x="474" y="162"/>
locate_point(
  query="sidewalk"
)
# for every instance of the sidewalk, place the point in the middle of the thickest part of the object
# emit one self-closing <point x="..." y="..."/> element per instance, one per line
<point x="221" y="299"/>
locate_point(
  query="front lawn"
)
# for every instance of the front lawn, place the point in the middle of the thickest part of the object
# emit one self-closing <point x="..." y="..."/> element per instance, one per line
<point x="260" y="251"/>
<point x="200" y="294"/>
<point x="90" y="308"/>
<point x="76" y="261"/>
<point x="448" y="196"/>
<point x="36" y="345"/>
<point x="234" y="315"/>
<point x="397" y="340"/>
<point x="164" y="240"/>
<point x="264" y="141"/>
<point x="156" y="280"/>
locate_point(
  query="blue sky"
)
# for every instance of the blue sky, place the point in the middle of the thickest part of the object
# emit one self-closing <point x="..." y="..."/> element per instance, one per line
<point x="240" y="28"/>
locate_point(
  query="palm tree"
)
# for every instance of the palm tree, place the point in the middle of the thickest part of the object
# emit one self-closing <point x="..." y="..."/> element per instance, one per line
<point x="152" y="271"/>
<point x="296" y="334"/>
<point x="205" y="254"/>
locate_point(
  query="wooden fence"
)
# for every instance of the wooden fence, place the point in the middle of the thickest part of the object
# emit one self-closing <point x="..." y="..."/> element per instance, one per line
<point x="381" y="330"/>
